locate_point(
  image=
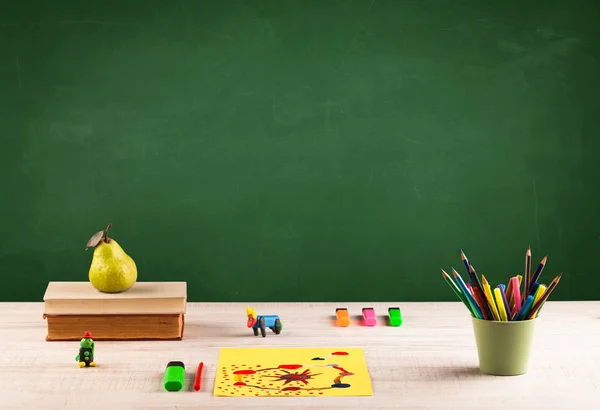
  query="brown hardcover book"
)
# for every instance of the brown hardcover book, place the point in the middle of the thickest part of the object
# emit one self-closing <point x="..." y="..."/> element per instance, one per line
<point x="115" y="327"/>
<point x="147" y="311"/>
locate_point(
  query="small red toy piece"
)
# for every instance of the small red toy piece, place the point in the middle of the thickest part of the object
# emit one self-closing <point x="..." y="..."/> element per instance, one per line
<point x="369" y="316"/>
<point x="252" y="317"/>
<point x="198" y="380"/>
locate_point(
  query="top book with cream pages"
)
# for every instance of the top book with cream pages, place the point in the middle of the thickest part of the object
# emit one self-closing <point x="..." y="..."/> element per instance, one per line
<point x="144" y="298"/>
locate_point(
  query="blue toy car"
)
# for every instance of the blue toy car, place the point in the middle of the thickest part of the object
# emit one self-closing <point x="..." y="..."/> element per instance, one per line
<point x="263" y="322"/>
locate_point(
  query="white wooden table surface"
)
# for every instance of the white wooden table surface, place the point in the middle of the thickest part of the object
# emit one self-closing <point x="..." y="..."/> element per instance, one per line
<point x="428" y="363"/>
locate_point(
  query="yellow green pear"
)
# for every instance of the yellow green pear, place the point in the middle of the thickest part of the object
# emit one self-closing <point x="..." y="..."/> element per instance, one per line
<point x="112" y="270"/>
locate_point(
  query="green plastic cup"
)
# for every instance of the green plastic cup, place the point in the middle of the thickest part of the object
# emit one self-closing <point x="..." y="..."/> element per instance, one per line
<point x="503" y="347"/>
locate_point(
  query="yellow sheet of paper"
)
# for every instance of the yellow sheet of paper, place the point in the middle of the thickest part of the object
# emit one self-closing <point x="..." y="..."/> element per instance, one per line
<point x="292" y="372"/>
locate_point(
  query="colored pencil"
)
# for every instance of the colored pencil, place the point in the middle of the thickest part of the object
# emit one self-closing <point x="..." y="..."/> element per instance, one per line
<point x="527" y="272"/>
<point x="465" y="262"/>
<point x="521" y="298"/>
<point x="535" y="308"/>
<point x="463" y="287"/>
<point x="509" y="294"/>
<point x="478" y="295"/>
<point x="456" y="290"/>
<point x="533" y="288"/>
<point x="490" y="298"/>
<point x="470" y="271"/>
<point x="538" y="293"/>
<point x="198" y="380"/>
<point x="475" y="280"/>
<point x="525" y="309"/>
<point x="538" y="271"/>
<point x="504" y="301"/>
<point x="500" y="304"/>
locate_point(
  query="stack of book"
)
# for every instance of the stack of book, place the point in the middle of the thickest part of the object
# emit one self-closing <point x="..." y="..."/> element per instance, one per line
<point x="147" y="311"/>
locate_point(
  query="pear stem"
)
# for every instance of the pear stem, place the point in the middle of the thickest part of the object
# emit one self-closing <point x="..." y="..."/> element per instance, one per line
<point x="106" y="238"/>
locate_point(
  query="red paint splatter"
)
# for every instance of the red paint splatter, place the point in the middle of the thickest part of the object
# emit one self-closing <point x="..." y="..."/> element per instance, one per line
<point x="320" y="392"/>
<point x="244" y="372"/>
<point x="291" y="388"/>
<point x="256" y="394"/>
<point x="239" y="384"/>
<point x="290" y="366"/>
<point x="341" y="369"/>
<point x="340" y="353"/>
<point x="258" y="365"/>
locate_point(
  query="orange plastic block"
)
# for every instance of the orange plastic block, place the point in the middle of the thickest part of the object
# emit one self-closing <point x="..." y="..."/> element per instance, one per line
<point x="343" y="319"/>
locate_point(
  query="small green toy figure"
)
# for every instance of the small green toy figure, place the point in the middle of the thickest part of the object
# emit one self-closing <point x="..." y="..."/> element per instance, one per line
<point x="86" y="351"/>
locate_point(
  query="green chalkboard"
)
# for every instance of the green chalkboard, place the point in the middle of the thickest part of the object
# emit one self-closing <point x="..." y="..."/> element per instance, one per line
<point x="285" y="150"/>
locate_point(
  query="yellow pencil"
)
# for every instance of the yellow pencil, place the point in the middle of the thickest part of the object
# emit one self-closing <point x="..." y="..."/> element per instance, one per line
<point x="500" y="304"/>
<point x="488" y="295"/>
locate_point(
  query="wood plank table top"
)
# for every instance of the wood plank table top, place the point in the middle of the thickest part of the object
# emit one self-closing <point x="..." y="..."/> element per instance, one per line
<point x="430" y="362"/>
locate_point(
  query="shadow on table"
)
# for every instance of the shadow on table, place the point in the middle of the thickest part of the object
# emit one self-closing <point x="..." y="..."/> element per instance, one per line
<point x="457" y="372"/>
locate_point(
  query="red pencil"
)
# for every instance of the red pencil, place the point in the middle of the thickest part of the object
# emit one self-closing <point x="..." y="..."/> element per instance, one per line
<point x="479" y="299"/>
<point x="198" y="381"/>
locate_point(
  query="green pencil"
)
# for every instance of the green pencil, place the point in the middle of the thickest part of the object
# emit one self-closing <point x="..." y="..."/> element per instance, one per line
<point x="457" y="290"/>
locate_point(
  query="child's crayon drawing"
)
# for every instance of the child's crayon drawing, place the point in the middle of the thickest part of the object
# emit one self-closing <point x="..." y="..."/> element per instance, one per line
<point x="292" y="372"/>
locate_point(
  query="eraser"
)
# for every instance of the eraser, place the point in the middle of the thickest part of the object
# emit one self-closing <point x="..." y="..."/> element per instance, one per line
<point x="343" y="320"/>
<point x="395" y="316"/>
<point x="369" y="316"/>
<point x="174" y="376"/>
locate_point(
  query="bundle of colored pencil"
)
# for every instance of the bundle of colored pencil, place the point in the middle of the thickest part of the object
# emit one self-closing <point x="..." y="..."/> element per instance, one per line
<point x="517" y="300"/>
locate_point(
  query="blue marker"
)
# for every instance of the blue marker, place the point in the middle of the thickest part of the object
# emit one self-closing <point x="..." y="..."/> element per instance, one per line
<point x="525" y="308"/>
<point x="463" y="288"/>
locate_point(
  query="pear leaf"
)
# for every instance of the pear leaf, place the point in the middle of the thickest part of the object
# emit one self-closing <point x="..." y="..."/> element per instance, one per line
<point x="94" y="240"/>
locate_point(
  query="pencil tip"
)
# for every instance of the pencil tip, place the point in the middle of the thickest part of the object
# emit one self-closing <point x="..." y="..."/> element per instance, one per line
<point x="544" y="260"/>
<point x="529" y="251"/>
